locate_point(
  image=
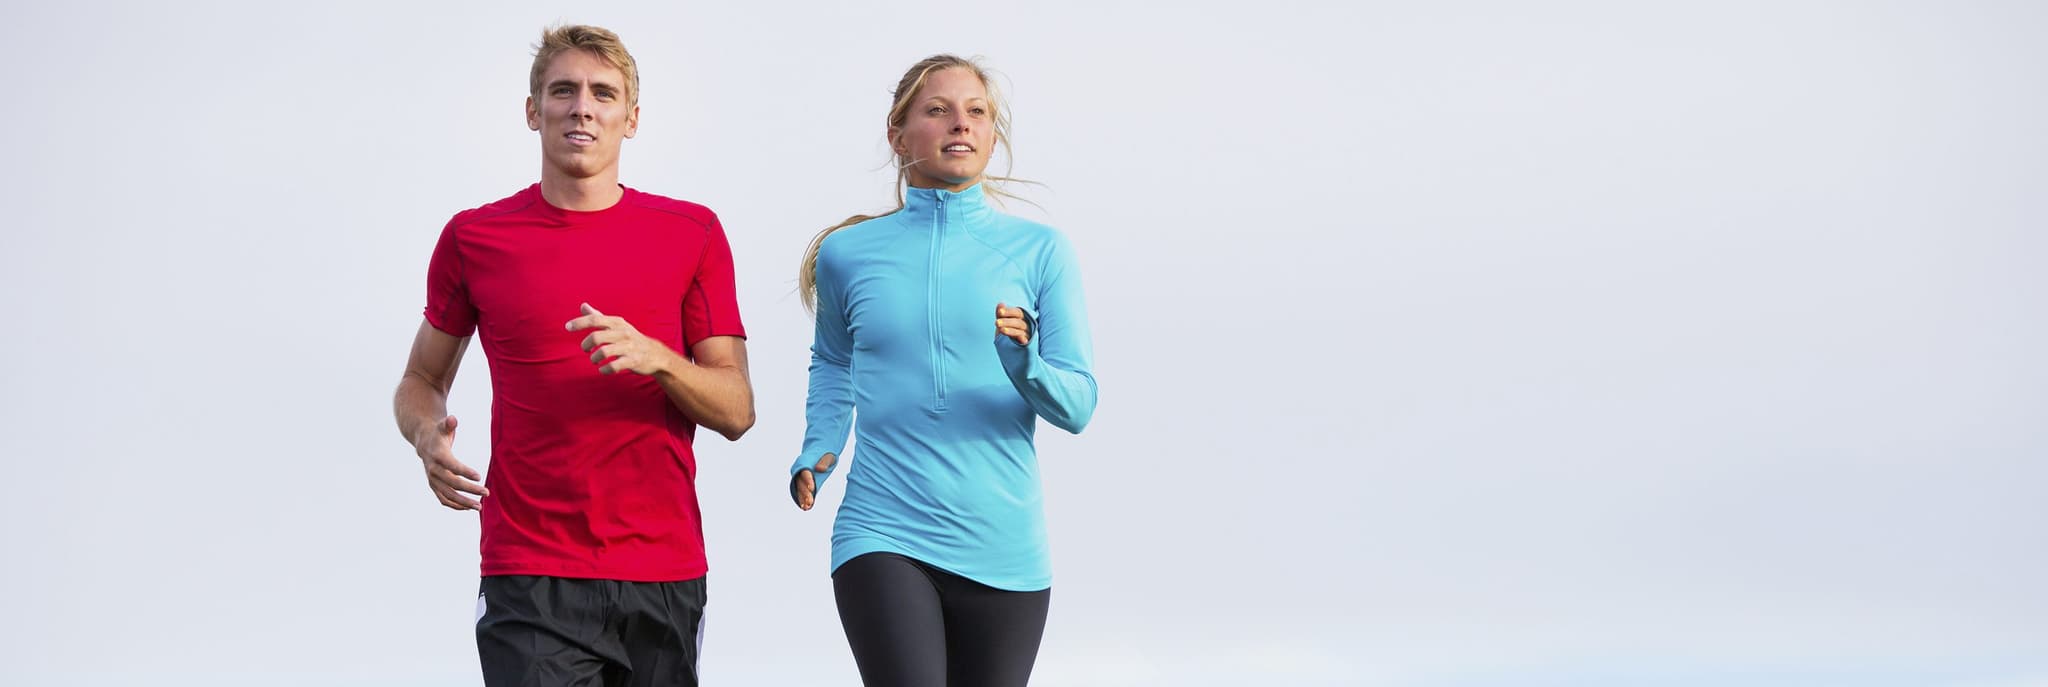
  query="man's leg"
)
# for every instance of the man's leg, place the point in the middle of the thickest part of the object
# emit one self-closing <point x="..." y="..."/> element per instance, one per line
<point x="890" y="611"/>
<point x="545" y="632"/>
<point x="663" y="631"/>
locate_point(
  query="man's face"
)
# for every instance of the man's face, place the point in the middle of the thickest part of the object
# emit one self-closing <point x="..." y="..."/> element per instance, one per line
<point x="583" y="114"/>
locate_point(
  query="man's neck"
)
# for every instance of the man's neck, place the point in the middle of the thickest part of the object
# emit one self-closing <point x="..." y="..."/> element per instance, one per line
<point x="581" y="194"/>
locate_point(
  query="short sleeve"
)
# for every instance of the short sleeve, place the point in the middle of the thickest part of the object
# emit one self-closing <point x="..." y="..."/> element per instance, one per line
<point x="449" y="307"/>
<point x="711" y="306"/>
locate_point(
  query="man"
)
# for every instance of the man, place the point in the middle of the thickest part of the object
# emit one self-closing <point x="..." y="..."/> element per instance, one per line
<point x="585" y="295"/>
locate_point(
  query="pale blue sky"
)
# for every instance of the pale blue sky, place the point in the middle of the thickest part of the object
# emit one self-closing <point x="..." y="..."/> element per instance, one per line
<point x="1440" y="344"/>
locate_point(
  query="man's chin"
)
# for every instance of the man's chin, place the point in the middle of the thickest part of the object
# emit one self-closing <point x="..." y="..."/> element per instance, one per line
<point x="578" y="165"/>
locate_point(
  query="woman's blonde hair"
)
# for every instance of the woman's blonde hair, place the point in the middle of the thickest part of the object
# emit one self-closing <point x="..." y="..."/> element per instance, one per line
<point x="904" y="95"/>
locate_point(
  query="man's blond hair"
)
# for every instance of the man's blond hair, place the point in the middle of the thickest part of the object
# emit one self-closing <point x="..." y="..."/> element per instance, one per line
<point x="597" y="41"/>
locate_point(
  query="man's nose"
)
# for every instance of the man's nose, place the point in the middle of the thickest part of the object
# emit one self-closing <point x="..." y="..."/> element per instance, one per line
<point x="583" y="107"/>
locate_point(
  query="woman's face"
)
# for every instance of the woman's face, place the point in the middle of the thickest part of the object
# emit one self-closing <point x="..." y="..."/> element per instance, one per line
<point x="948" y="132"/>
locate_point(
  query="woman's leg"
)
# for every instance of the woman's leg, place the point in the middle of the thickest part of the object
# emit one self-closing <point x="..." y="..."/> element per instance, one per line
<point x="992" y="635"/>
<point x="889" y="608"/>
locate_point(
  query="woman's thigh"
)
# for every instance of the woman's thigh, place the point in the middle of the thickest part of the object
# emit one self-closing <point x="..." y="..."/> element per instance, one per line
<point x="890" y="610"/>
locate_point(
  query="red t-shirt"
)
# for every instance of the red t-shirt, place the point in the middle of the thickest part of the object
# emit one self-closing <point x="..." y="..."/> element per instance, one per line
<point x="591" y="475"/>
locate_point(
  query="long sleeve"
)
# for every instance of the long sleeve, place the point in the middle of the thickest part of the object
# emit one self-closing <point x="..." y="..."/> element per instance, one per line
<point x="1053" y="371"/>
<point x="828" y="411"/>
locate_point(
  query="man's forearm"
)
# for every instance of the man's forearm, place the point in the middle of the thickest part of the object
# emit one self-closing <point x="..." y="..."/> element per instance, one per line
<point x="721" y="398"/>
<point x="418" y="404"/>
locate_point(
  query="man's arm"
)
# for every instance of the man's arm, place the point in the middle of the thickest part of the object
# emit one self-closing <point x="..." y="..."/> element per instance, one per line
<point x="714" y="390"/>
<point x="421" y="407"/>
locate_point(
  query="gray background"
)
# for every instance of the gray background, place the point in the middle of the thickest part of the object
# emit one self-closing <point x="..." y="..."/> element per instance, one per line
<point x="1452" y="344"/>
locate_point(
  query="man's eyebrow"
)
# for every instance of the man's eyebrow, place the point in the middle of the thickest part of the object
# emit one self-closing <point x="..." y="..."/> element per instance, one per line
<point x="572" y="82"/>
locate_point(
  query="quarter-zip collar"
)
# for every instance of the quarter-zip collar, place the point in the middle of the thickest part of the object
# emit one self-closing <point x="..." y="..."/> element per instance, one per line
<point x="923" y="207"/>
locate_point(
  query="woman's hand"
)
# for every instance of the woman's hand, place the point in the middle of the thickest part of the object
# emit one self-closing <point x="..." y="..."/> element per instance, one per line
<point x="1010" y="322"/>
<point x="803" y="486"/>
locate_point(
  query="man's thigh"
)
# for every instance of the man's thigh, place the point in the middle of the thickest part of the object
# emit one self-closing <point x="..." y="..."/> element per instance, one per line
<point x="662" y="630"/>
<point x="538" y="631"/>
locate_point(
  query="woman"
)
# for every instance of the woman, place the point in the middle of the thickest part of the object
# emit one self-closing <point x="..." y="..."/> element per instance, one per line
<point x="939" y="556"/>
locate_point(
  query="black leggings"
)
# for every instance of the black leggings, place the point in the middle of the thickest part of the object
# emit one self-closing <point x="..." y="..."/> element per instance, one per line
<point x="913" y="625"/>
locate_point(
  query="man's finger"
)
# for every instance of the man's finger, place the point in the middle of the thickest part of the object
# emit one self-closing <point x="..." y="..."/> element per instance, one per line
<point x="591" y="319"/>
<point x="454" y="470"/>
<point x="448" y="479"/>
<point x="446" y="461"/>
<point x="448" y="425"/>
<point x="458" y="483"/>
<point x="592" y="322"/>
<point x="453" y="500"/>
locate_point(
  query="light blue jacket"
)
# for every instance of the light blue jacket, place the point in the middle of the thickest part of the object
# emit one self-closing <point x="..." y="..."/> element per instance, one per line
<point x="944" y="470"/>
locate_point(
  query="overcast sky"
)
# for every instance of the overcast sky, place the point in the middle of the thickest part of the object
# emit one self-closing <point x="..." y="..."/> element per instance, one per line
<point x="1472" y="343"/>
